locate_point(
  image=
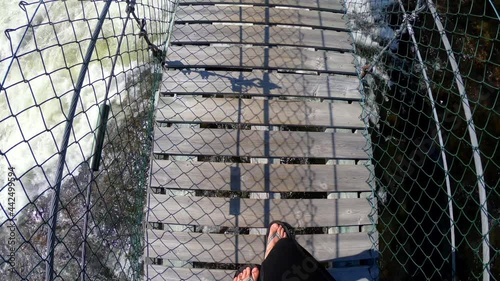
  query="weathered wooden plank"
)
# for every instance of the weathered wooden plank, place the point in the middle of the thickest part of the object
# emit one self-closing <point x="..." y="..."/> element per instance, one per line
<point x="333" y="6"/>
<point x="261" y="35"/>
<point x="162" y="273"/>
<point x="259" y="177"/>
<point x="259" y="83"/>
<point x="226" y="142"/>
<point x="259" y="112"/>
<point x="236" y="212"/>
<point x="182" y="57"/>
<point x="260" y="15"/>
<point x="222" y="248"/>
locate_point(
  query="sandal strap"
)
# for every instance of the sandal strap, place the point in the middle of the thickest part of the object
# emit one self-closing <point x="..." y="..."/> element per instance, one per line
<point x="276" y="234"/>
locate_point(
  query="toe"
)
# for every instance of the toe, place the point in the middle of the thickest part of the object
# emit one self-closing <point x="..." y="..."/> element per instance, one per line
<point x="243" y="275"/>
<point x="280" y="230"/>
<point x="276" y="232"/>
<point x="283" y="233"/>
<point x="274" y="228"/>
<point x="255" y="273"/>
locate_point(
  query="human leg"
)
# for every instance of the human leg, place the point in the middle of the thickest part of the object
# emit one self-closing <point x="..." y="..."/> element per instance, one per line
<point x="286" y="260"/>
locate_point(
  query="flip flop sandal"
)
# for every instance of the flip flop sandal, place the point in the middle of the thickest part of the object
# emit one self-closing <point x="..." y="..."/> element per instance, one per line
<point x="269" y="239"/>
<point x="242" y="268"/>
<point x="290" y="233"/>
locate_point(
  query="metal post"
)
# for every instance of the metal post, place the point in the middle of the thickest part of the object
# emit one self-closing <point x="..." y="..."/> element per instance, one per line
<point x="440" y="139"/>
<point x="473" y="139"/>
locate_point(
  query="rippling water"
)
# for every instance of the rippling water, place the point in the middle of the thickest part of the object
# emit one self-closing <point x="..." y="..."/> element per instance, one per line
<point x="39" y="65"/>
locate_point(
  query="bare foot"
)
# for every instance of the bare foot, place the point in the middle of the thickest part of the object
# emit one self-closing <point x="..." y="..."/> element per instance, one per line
<point x="275" y="234"/>
<point x="248" y="275"/>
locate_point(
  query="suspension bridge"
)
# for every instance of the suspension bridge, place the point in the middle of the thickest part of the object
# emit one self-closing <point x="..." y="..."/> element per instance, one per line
<point x="157" y="140"/>
<point x="249" y="86"/>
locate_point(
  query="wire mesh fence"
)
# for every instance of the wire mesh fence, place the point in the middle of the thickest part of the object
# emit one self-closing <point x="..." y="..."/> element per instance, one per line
<point x="256" y="120"/>
<point x="245" y="133"/>
<point x="76" y="103"/>
<point x="430" y="81"/>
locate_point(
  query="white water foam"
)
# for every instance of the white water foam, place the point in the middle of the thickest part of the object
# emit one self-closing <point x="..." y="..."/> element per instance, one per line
<point x="365" y="30"/>
<point x="39" y="83"/>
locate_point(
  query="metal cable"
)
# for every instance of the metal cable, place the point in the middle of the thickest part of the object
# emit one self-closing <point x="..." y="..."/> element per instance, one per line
<point x="54" y="202"/>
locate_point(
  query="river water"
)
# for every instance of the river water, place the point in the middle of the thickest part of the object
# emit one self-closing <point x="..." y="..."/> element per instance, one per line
<point x="39" y="65"/>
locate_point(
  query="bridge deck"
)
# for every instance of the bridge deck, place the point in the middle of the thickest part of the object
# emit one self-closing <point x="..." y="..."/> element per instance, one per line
<point x="258" y="120"/>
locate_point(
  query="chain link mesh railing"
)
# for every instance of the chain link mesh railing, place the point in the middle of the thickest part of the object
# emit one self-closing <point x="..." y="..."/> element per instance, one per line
<point x="430" y="71"/>
<point x="76" y="101"/>
<point x="256" y="121"/>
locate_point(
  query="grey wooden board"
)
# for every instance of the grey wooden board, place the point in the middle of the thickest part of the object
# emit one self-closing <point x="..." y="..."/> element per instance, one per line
<point x="259" y="177"/>
<point x="162" y="273"/>
<point x="335" y="6"/>
<point x="182" y="57"/>
<point x="254" y="143"/>
<point x="248" y="248"/>
<point x="238" y="212"/>
<point x="259" y="83"/>
<point x="260" y="15"/>
<point x="261" y="35"/>
<point x="259" y="112"/>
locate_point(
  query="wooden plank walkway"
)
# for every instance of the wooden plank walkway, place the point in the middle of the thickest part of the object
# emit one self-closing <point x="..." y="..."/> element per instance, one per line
<point x="258" y="83"/>
<point x="260" y="15"/>
<point x="330" y="6"/>
<point x="249" y="248"/>
<point x="260" y="35"/>
<point x="258" y="112"/>
<point x="258" y="119"/>
<point x="279" y="178"/>
<point x="236" y="57"/>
